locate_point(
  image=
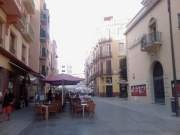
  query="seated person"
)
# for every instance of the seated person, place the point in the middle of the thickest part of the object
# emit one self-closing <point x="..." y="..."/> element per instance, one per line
<point x="77" y="98"/>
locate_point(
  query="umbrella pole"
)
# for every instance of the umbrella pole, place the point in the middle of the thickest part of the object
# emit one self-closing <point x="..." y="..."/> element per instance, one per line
<point x="62" y="91"/>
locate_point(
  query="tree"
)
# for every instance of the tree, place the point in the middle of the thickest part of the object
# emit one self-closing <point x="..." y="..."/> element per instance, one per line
<point x="123" y="69"/>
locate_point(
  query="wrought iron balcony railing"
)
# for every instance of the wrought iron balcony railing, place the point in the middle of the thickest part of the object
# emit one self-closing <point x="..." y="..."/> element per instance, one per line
<point x="150" y="39"/>
<point x="23" y="59"/>
<point x="105" y="54"/>
<point x="12" y="50"/>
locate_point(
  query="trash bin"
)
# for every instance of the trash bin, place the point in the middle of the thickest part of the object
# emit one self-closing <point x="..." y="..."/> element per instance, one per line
<point x="173" y="105"/>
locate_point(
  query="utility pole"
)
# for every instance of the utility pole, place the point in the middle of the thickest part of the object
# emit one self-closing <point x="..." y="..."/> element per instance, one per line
<point x="173" y="61"/>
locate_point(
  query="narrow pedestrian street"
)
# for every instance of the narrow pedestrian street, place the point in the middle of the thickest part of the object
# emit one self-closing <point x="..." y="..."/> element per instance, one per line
<point x="115" y="116"/>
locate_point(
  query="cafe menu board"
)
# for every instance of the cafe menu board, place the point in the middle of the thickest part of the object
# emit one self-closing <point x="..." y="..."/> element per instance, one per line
<point x="138" y="90"/>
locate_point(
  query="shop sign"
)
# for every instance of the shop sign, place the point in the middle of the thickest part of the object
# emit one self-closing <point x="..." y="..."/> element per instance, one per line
<point x="138" y="90"/>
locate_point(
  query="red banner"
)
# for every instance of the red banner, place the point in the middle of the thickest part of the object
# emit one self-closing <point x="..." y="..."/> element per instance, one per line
<point x="138" y="90"/>
<point x="178" y="88"/>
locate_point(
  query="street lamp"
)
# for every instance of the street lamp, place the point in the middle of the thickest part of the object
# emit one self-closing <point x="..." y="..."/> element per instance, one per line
<point x="173" y="61"/>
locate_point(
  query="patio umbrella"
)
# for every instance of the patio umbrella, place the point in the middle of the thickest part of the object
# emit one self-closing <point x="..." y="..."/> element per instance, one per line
<point x="62" y="79"/>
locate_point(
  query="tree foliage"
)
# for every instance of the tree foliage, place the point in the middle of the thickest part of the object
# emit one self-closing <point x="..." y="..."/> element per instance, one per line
<point x="123" y="69"/>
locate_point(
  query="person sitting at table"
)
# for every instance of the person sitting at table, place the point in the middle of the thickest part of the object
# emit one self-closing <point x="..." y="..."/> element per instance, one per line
<point x="77" y="98"/>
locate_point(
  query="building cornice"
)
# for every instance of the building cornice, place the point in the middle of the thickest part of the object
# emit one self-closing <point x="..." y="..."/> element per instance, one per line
<point x="148" y="4"/>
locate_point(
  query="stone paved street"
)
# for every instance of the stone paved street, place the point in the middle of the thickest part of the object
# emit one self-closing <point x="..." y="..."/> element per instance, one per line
<point x="115" y="116"/>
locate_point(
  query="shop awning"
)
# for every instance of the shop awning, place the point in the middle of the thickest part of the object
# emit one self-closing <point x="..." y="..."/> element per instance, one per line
<point x="25" y="68"/>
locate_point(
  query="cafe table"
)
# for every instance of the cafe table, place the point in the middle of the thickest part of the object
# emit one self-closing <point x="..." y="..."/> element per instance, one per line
<point x="83" y="105"/>
<point x="46" y="114"/>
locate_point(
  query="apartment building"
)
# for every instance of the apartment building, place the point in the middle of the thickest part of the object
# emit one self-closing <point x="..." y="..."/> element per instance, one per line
<point x="65" y="68"/>
<point x="102" y="62"/>
<point x="16" y="34"/>
<point x="43" y="52"/>
<point x="149" y="57"/>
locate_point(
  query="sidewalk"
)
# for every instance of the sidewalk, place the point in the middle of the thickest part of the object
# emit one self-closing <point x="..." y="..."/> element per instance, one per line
<point x="156" y="110"/>
<point x="20" y="119"/>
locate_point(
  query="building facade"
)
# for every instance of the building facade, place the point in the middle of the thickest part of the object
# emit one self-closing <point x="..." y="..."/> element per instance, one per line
<point x="102" y="62"/>
<point x="42" y="58"/>
<point x="149" y="57"/>
<point x="65" y="68"/>
<point x="16" y="34"/>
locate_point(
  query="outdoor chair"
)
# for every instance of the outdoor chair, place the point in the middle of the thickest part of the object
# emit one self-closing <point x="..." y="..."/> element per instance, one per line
<point x="53" y="109"/>
<point x="91" y="109"/>
<point x="77" y="109"/>
<point x="39" y="110"/>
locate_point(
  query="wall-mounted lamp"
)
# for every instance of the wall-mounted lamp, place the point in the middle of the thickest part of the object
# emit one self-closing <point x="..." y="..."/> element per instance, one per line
<point x="133" y="76"/>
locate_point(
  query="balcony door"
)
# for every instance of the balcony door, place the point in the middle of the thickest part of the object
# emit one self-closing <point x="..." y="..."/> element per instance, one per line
<point x="108" y="48"/>
<point x="101" y="66"/>
<point x="108" y="66"/>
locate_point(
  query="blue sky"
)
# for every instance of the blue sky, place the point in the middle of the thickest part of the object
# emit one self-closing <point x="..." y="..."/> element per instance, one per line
<point x="73" y="24"/>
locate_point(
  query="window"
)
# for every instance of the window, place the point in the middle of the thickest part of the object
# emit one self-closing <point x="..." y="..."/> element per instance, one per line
<point x="107" y="49"/>
<point x="108" y="67"/>
<point x="1" y="40"/>
<point x="12" y="44"/>
<point x="63" y="70"/>
<point x="121" y="47"/>
<point x="23" y="53"/>
<point x="63" y="66"/>
<point x="108" y="80"/>
<point x="179" y="19"/>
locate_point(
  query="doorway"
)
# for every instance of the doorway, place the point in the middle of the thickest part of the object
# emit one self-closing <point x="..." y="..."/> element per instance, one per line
<point x="109" y="92"/>
<point x="158" y="83"/>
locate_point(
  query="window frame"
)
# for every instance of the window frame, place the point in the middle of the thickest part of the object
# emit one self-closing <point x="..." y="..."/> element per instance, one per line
<point x="120" y="47"/>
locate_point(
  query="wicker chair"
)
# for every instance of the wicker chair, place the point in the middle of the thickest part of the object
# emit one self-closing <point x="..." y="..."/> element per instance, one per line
<point x="53" y="108"/>
<point x="39" y="110"/>
<point x="91" y="109"/>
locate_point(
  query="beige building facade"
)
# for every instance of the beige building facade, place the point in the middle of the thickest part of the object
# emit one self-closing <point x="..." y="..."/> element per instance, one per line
<point x="15" y="36"/>
<point x="43" y="52"/>
<point x="102" y="63"/>
<point x="149" y="57"/>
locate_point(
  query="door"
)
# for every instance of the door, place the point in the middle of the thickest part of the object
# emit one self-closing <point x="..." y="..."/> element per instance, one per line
<point x="158" y="83"/>
<point x="123" y="90"/>
<point x="109" y="92"/>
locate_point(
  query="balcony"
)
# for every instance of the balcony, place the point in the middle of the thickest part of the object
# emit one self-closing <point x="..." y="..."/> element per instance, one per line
<point x="12" y="7"/>
<point x="42" y="55"/>
<point x="3" y="2"/>
<point x="30" y="6"/>
<point x="104" y="72"/>
<point x="43" y="73"/>
<point x="95" y="59"/>
<point x="12" y="50"/>
<point x="21" y="23"/>
<point x="103" y="40"/>
<point x="28" y="33"/>
<point x="105" y="55"/>
<point x="151" y="42"/>
<point x="23" y="59"/>
<point x="43" y="36"/>
<point x="43" y="19"/>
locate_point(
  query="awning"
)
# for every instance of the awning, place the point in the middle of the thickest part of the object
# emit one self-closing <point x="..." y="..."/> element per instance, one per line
<point x="25" y="68"/>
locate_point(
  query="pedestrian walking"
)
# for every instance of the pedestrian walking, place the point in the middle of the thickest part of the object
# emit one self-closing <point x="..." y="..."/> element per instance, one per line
<point x="50" y="95"/>
<point x="8" y="100"/>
